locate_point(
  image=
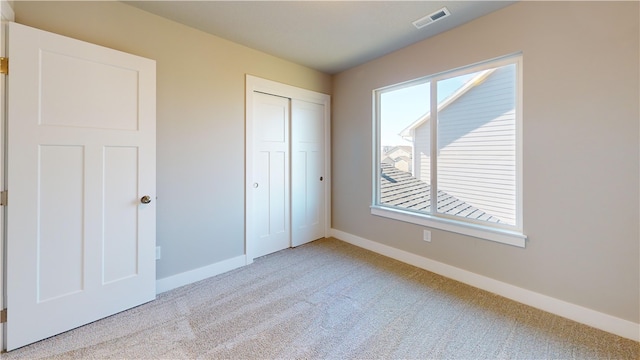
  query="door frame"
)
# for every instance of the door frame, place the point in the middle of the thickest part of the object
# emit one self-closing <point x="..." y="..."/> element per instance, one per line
<point x="256" y="84"/>
<point x="6" y="14"/>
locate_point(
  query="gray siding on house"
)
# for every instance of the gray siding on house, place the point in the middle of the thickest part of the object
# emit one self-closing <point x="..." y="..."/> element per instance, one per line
<point x="422" y="144"/>
<point x="476" y="146"/>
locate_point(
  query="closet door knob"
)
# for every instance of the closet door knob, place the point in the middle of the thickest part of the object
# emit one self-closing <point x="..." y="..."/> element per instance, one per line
<point x="145" y="199"/>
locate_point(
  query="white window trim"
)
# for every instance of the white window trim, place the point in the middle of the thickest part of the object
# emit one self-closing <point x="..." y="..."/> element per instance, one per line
<point x="512" y="235"/>
<point x="503" y="236"/>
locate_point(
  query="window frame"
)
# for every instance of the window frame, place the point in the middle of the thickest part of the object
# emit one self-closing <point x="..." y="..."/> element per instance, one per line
<point x="506" y="234"/>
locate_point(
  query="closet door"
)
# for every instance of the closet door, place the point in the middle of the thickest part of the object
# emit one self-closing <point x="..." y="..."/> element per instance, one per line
<point x="286" y="182"/>
<point x="307" y="172"/>
<point x="270" y="205"/>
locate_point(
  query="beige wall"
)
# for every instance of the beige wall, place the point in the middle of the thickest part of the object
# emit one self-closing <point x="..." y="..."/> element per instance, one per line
<point x="200" y="119"/>
<point x="581" y="150"/>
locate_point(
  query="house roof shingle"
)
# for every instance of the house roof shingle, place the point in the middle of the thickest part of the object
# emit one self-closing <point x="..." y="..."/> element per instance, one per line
<point x="399" y="188"/>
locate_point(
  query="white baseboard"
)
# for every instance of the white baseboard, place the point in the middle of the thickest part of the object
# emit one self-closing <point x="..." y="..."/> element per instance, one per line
<point x="191" y="276"/>
<point x="602" y="321"/>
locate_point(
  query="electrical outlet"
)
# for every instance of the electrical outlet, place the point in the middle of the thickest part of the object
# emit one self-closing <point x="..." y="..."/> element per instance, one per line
<point x="426" y="235"/>
<point x="158" y="253"/>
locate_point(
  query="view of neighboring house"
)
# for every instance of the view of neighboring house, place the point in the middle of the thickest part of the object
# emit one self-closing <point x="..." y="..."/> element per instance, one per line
<point x="476" y="131"/>
<point x="400" y="188"/>
<point x="398" y="156"/>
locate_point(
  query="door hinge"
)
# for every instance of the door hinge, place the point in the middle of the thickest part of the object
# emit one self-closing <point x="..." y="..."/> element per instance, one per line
<point x="3" y="316"/>
<point x="4" y="65"/>
<point x="4" y="198"/>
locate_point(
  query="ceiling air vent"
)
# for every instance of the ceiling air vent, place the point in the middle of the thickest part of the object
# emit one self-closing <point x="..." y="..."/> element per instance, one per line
<point x="440" y="14"/>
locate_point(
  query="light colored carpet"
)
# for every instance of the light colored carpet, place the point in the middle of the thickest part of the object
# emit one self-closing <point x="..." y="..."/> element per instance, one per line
<point x="331" y="300"/>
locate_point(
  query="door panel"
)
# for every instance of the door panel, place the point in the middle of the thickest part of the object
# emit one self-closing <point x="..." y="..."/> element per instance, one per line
<point x="80" y="154"/>
<point x="270" y="191"/>
<point x="60" y="233"/>
<point x="67" y="81"/>
<point x="120" y="239"/>
<point x="307" y="172"/>
<point x="278" y="193"/>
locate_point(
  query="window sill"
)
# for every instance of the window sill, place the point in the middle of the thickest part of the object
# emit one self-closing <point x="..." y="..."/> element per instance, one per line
<point x="483" y="232"/>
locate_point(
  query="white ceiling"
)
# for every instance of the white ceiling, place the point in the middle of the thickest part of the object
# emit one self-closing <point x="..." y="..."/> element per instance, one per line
<point x="330" y="36"/>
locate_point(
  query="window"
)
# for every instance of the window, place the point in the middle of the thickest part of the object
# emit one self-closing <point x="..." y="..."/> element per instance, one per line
<point x="448" y="151"/>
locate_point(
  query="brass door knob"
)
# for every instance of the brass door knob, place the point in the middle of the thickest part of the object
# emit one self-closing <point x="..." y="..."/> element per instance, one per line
<point x="145" y="199"/>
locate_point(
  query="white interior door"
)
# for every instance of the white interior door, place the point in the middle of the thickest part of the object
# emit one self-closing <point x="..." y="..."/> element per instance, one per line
<point x="80" y="156"/>
<point x="307" y="171"/>
<point x="6" y="15"/>
<point x="270" y="209"/>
